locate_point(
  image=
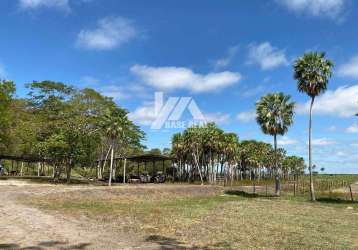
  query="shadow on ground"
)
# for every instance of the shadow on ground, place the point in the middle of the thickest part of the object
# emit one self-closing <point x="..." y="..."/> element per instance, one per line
<point x="46" y="245"/>
<point x="248" y="195"/>
<point x="336" y="201"/>
<point x="167" y="243"/>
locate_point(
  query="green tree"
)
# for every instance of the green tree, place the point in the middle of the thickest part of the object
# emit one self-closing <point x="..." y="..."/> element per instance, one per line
<point x="121" y="132"/>
<point x="312" y="72"/>
<point x="275" y="115"/>
<point x="7" y="91"/>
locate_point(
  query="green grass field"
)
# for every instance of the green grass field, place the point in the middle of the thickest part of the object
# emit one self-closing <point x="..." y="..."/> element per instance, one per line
<point x="187" y="216"/>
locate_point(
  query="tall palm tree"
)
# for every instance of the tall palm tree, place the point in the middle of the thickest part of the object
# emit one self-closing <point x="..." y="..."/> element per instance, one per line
<point x="312" y="72"/>
<point x="274" y="115"/>
<point x="119" y="131"/>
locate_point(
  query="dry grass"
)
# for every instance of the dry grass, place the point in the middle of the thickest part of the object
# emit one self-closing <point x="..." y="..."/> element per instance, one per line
<point x="183" y="216"/>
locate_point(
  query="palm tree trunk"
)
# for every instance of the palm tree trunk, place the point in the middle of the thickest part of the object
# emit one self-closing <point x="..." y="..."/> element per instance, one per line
<point x="197" y="165"/>
<point x="277" y="178"/>
<point x="313" y="198"/>
<point x="111" y="167"/>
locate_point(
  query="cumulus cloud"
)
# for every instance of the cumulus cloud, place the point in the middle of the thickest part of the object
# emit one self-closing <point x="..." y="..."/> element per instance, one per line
<point x="327" y="8"/>
<point x="36" y="4"/>
<point x="227" y="59"/>
<point x="143" y="115"/>
<point x="353" y="128"/>
<point x="110" y="33"/>
<point x="218" y="118"/>
<point x="323" y="142"/>
<point x="247" y="116"/>
<point x="266" y="56"/>
<point x="341" y="102"/>
<point x="170" y="78"/>
<point x="349" y="69"/>
<point x="284" y="141"/>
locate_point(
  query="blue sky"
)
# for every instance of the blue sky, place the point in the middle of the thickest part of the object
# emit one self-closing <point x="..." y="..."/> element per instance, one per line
<point x="223" y="54"/>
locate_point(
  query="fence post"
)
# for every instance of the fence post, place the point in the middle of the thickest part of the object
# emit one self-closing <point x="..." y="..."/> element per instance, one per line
<point x="350" y="190"/>
<point x="266" y="189"/>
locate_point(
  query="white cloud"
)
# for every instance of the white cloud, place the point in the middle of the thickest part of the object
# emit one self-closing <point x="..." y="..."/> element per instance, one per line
<point x="284" y="141"/>
<point x="341" y="154"/>
<point x="170" y="78"/>
<point x="54" y="4"/>
<point x="218" y="118"/>
<point x="332" y="128"/>
<point x="340" y="102"/>
<point x="143" y="115"/>
<point x="227" y="59"/>
<point x="323" y="142"/>
<point x="117" y="93"/>
<point x="349" y="69"/>
<point x="328" y="8"/>
<point x="89" y="80"/>
<point x="250" y="92"/>
<point x="110" y="33"/>
<point x="353" y="128"/>
<point x="266" y="56"/>
<point x="246" y="116"/>
<point x="2" y="72"/>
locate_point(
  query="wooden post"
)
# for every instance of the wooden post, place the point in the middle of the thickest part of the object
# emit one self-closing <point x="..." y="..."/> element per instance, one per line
<point x="154" y="168"/>
<point x="163" y="167"/>
<point x="22" y="168"/>
<point x="138" y="168"/>
<point x="350" y="190"/>
<point x="124" y="171"/>
<point x="173" y="172"/>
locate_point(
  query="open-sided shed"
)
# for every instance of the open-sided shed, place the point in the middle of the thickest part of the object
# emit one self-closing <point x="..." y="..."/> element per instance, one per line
<point x="157" y="161"/>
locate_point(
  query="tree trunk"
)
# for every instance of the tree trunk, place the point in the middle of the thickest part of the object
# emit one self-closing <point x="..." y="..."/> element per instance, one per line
<point x="99" y="169"/>
<point x="277" y="177"/>
<point x="38" y="169"/>
<point x="313" y="198"/>
<point x="111" y="167"/>
<point x="197" y="165"/>
<point x="68" y="171"/>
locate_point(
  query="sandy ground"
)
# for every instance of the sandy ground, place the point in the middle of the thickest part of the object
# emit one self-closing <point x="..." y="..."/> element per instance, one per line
<point x="25" y="227"/>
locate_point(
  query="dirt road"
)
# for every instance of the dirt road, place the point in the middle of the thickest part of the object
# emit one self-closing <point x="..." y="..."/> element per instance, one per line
<point x="23" y="227"/>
